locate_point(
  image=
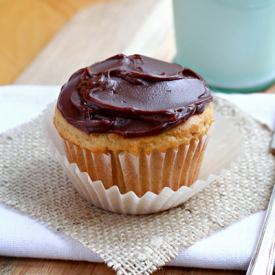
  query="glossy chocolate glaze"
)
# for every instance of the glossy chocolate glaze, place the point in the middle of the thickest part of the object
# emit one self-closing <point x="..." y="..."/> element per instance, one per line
<point x="132" y="96"/>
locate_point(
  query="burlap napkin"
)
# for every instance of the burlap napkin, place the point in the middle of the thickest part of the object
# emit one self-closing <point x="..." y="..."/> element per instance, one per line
<point x="34" y="183"/>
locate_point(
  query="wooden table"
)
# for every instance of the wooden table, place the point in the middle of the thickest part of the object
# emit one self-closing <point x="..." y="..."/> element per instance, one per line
<point x="88" y="37"/>
<point x="15" y="266"/>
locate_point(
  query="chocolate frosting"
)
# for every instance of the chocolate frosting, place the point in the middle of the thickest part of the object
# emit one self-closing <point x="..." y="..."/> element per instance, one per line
<point x="132" y="96"/>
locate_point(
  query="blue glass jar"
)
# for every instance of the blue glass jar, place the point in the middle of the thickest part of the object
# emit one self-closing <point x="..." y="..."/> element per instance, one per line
<point x="231" y="43"/>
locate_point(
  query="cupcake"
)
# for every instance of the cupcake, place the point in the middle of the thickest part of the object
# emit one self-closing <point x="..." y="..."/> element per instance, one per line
<point x="135" y="122"/>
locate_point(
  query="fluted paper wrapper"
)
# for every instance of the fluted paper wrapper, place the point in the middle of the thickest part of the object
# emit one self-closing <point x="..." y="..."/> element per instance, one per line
<point x="142" y="172"/>
<point x="125" y="178"/>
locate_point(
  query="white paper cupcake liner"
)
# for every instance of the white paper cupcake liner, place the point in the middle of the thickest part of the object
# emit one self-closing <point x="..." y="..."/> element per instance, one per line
<point x="141" y="172"/>
<point x="129" y="203"/>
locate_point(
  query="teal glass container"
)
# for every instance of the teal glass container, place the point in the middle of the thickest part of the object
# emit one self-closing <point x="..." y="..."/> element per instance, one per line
<point x="231" y="43"/>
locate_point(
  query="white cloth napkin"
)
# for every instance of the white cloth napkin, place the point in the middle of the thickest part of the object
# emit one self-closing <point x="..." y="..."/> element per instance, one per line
<point x="21" y="236"/>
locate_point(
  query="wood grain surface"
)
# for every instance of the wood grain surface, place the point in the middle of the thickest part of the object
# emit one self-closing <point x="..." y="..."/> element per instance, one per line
<point x="26" y="26"/>
<point x="13" y="266"/>
<point x="102" y="30"/>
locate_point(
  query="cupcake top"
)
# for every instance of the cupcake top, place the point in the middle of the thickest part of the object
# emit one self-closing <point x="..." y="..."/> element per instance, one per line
<point x="133" y="96"/>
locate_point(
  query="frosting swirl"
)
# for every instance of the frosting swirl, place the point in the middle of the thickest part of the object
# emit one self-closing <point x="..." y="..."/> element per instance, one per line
<point x="132" y="96"/>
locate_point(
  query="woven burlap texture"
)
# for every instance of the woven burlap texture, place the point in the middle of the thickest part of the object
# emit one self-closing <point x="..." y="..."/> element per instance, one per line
<point x="34" y="183"/>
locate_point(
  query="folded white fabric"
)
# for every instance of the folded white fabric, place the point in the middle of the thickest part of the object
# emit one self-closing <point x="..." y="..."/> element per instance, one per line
<point x="22" y="236"/>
